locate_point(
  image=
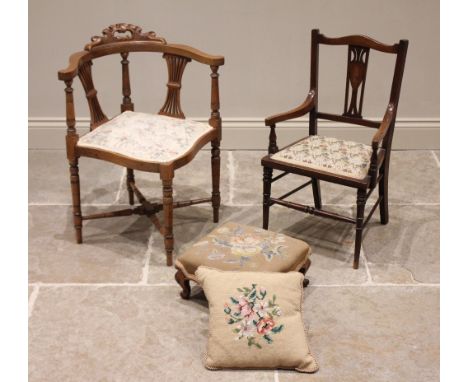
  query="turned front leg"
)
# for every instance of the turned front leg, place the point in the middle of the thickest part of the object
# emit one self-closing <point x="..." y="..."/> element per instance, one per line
<point x="361" y="205"/>
<point x="267" y="176"/>
<point x="215" y="175"/>
<point x="76" y="200"/>
<point x="168" y="215"/>
<point x="130" y="181"/>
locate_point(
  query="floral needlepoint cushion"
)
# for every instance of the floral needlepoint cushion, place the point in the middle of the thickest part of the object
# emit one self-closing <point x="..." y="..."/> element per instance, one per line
<point x="255" y="320"/>
<point x="240" y="247"/>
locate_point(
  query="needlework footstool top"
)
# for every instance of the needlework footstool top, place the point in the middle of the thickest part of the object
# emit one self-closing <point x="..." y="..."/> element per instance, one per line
<point x="238" y="247"/>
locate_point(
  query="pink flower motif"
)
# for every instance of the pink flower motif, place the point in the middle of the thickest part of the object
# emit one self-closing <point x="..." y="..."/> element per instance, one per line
<point x="265" y="325"/>
<point x="244" y="308"/>
<point x="246" y="329"/>
<point x="261" y="308"/>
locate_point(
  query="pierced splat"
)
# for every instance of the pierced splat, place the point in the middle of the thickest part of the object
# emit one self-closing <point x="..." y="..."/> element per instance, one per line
<point x="97" y="115"/>
<point x="355" y="80"/>
<point x="175" y="67"/>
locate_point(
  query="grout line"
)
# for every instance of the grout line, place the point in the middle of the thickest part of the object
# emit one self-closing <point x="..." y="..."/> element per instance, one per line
<point x="100" y="285"/>
<point x="276" y="376"/>
<point x="122" y="180"/>
<point x="232" y="172"/>
<point x="62" y="285"/>
<point x="435" y="157"/>
<point x="366" y="264"/>
<point x="145" y="269"/>
<point x="32" y="299"/>
<point x="82" y="204"/>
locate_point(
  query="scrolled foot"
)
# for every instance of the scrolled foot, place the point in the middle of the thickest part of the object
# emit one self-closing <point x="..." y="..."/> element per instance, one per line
<point x="184" y="284"/>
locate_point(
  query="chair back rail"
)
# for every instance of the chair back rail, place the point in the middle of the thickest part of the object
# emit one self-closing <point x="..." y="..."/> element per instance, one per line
<point x="359" y="48"/>
<point x="126" y="38"/>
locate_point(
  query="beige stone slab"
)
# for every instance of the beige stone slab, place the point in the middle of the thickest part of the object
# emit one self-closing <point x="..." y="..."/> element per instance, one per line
<point x="121" y="334"/>
<point x="190" y="224"/>
<point x="414" y="178"/>
<point x="113" y="250"/>
<point x="49" y="179"/>
<point x="376" y="334"/>
<point x="332" y="244"/>
<point x="193" y="181"/>
<point x="407" y="248"/>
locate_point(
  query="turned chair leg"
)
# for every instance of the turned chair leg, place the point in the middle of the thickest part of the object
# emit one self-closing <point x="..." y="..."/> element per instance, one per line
<point x="215" y="175"/>
<point x="361" y="205"/>
<point x="184" y="283"/>
<point x="130" y="180"/>
<point x="168" y="215"/>
<point x="383" y="192"/>
<point x="304" y="270"/>
<point x="76" y="200"/>
<point x="267" y="176"/>
<point x="317" y="193"/>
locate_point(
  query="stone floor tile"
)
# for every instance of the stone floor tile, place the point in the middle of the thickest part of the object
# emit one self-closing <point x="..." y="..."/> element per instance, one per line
<point x="193" y="181"/>
<point x="332" y="244"/>
<point x="190" y="224"/>
<point x="121" y="334"/>
<point x="407" y="248"/>
<point x="49" y="180"/>
<point x="414" y="178"/>
<point x="376" y="334"/>
<point x="113" y="250"/>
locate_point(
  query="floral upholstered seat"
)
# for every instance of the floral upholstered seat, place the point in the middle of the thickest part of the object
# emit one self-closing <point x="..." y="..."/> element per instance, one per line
<point x="237" y="247"/>
<point x="348" y="158"/>
<point x="146" y="137"/>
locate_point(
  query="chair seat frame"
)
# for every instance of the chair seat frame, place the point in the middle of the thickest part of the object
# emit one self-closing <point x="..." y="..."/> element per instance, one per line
<point x="123" y="39"/>
<point x="377" y="176"/>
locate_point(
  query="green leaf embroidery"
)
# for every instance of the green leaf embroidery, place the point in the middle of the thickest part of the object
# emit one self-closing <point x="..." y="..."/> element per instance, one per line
<point x="277" y="329"/>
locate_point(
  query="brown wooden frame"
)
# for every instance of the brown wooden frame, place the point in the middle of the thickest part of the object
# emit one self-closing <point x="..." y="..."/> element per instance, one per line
<point x="359" y="48"/>
<point x="184" y="281"/>
<point x="123" y="39"/>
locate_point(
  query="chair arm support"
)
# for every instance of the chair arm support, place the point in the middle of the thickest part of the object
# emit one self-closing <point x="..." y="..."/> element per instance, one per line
<point x="379" y="136"/>
<point x="299" y="111"/>
<point x="71" y="71"/>
<point x="387" y="121"/>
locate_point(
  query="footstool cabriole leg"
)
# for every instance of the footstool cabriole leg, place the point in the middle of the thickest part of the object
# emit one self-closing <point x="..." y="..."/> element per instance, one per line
<point x="184" y="283"/>
<point x="304" y="270"/>
<point x="168" y="214"/>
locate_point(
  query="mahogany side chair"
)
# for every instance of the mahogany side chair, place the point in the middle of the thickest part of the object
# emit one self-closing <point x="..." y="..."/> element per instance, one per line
<point x="348" y="163"/>
<point x="159" y="143"/>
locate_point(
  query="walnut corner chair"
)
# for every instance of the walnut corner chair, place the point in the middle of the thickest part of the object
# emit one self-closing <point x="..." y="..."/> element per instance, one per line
<point x="158" y="143"/>
<point x="348" y="163"/>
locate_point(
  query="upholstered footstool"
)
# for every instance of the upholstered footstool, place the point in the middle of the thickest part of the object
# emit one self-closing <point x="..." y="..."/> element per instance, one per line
<point x="237" y="247"/>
